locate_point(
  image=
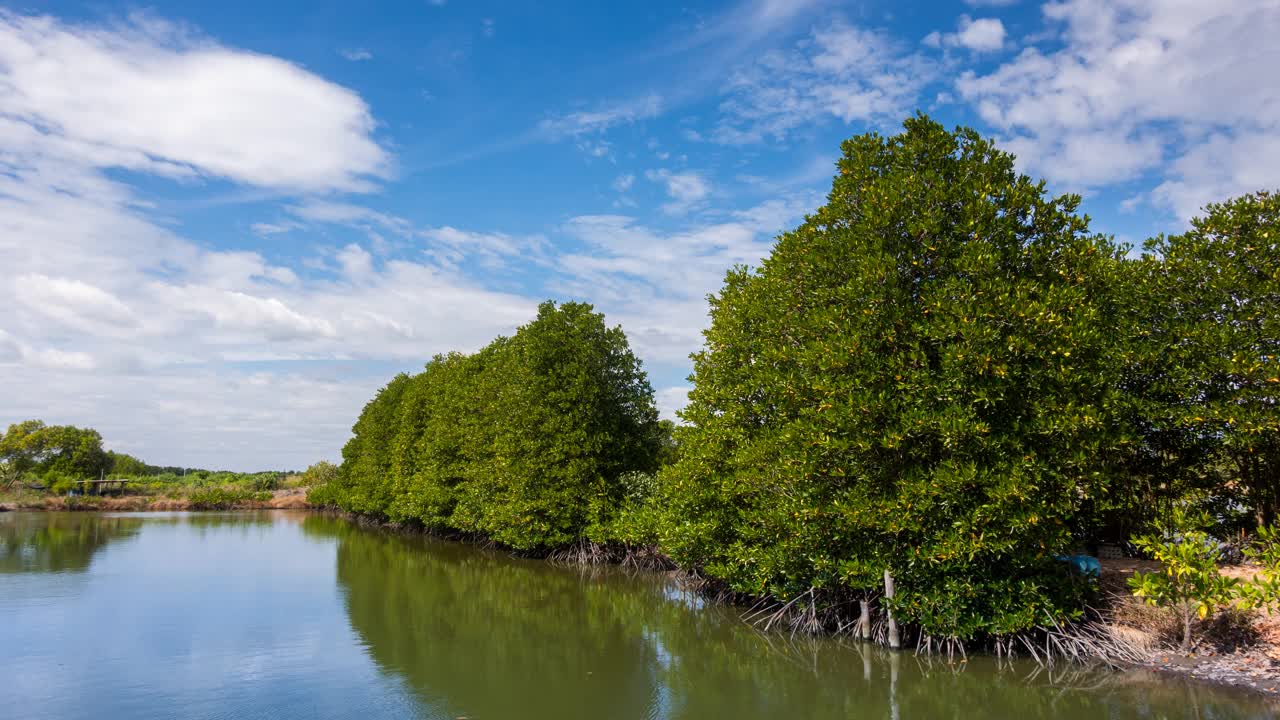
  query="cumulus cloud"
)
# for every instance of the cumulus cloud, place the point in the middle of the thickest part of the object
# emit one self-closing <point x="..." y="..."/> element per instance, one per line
<point x="1177" y="90"/>
<point x="981" y="35"/>
<point x="152" y="96"/>
<point x="72" y="302"/>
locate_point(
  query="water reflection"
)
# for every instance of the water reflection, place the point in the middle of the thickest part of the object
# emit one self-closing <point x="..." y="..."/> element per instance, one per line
<point x="482" y="635"/>
<point x="57" y="542"/>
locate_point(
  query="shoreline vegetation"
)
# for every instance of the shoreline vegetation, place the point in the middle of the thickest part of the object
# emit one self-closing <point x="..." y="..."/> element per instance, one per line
<point x="908" y="424"/>
<point x="288" y="499"/>
<point x="1235" y="650"/>
<point x="913" y="424"/>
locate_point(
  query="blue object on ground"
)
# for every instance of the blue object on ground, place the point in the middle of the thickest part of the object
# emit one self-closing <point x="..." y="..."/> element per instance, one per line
<point x="1083" y="564"/>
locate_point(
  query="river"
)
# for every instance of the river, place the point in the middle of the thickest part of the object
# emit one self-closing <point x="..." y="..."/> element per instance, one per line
<point x="294" y="615"/>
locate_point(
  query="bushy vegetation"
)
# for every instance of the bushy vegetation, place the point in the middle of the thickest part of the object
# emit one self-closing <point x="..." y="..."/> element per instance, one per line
<point x="528" y="442"/>
<point x="942" y="378"/>
<point x="221" y="498"/>
<point x="916" y="380"/>
<point x="55" y="459"/>
<point x="1189" y="580"/>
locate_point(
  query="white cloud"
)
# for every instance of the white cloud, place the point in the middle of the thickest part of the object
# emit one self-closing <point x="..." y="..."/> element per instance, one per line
<point x="991" y="3"/>
<point x="114" y="320"/>
<point x="840" y="71"/>
<point x="672" y="400"/>
<point x="342" y="213"/>
<point x="72" y="302"/>
<point x="623" y="183"/>
<point x="687" y="190"/>
<point x="492" y="250"/>
<point x="356" y="54"/>
<point x="982" y="35"/>
<point x="152" y="96"/>
<point x="1141" y="88"/>
<point x="603" y="118"/>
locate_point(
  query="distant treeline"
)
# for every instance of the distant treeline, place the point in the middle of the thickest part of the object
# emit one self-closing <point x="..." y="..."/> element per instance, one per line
<point x="56" y="456"/>
<point x="943" y="376"/>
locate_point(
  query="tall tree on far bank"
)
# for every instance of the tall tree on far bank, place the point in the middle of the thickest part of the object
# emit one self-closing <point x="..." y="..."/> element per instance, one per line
<point x="64" y="450"/>
<point x="916" y="379"/>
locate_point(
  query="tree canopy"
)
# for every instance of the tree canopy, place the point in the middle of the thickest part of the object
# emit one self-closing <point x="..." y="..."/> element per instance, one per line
<point x="59" y="450"/>
<point x="916" y="379"/>
<point x="525" y="442"/>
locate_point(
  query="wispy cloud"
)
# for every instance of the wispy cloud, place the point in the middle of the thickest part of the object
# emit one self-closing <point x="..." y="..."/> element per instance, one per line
<point x="686" y="190"/>
<point x="841" y="71"/>
<point x="602" y="118"/>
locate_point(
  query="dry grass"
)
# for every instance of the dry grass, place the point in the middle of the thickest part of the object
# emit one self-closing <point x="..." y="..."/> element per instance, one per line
<point x="1228" y="630"/>
<point x="289" y="499"/>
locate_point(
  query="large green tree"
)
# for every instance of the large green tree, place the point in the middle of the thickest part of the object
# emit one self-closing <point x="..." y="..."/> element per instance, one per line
<point x="525" y="442"/>
<point x="63" y="450"/>
<point x="364" y="479"/>
<point x="1205" y="383"/>
<point x="916" y="379"/>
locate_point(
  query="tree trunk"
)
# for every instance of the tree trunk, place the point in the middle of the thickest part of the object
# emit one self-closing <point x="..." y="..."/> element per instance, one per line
<point x="864" y="620"/>
<point x="1186" y="629"/>
<point x="894" y="641"/>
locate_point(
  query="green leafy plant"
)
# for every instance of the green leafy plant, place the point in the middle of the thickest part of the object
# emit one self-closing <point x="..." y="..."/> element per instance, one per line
<point x="1189" y="581"/>
<point x="918" y="378"/>
<point x="533" y="441"/>
<point x="1263" y="591"/>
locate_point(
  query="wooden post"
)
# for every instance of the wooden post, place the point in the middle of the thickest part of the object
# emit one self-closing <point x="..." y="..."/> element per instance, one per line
<point x="895" y="642"/>
<point x="864" y="620"/>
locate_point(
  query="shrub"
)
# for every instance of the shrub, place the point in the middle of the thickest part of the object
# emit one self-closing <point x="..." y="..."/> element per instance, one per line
<point x="222" y="498"/>
<point x="1190" y="582"/>
<point x="1264" y="590"/>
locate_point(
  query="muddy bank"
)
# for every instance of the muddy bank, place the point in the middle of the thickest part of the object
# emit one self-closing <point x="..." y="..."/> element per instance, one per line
<point x="1231" y="647"/>
<point x="1257" y="670"/>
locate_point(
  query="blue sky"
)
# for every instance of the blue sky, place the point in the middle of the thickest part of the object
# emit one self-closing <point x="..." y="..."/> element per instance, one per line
<point x="224" y="225"/>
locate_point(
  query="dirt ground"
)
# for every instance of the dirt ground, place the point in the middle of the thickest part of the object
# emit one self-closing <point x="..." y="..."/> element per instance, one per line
<point x="1231" y="647"/>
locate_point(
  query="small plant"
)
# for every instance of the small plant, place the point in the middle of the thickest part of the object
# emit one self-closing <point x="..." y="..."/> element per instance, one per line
<point x="1264" y="591"/>
<point x="222" y="498"/>
<point x="1190" y="582"/>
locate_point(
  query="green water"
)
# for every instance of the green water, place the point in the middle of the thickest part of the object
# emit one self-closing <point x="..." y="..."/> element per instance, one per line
<point x="289" y="615"/>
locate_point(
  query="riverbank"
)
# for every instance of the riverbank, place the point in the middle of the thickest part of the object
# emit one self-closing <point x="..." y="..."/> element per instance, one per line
<point x="1235" y="650"/>
<point x="288" y="499"/>
<point x="1231" y="648"/>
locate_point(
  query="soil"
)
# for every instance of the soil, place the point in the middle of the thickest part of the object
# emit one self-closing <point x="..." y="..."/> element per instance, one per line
<point x="1232" y="647"/>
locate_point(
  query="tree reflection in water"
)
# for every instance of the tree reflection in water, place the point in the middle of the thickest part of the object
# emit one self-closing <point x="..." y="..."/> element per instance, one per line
<point x="58" y="542"/>
<point x="479" y="634"/>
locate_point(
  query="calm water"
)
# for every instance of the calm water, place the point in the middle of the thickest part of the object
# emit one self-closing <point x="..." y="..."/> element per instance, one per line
<point x="284" y="615"/>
